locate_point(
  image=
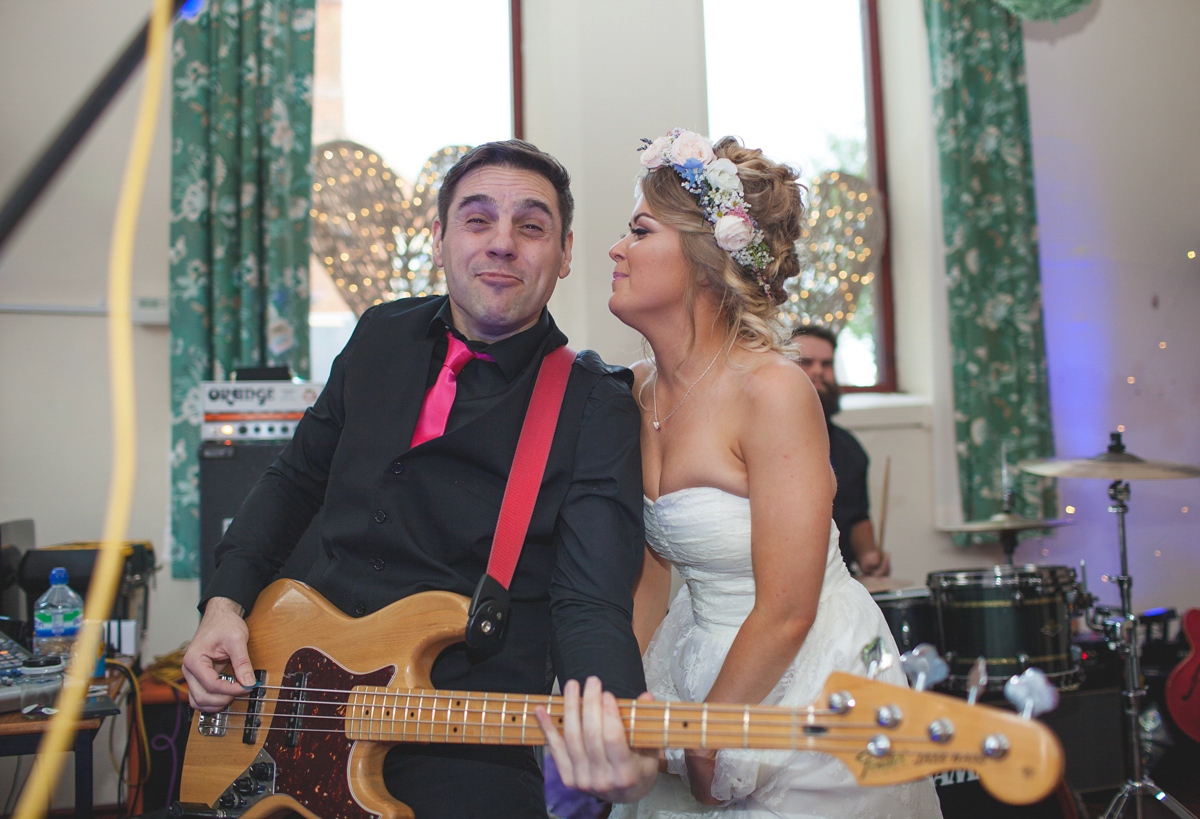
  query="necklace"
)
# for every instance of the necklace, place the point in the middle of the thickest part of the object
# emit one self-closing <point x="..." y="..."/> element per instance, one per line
<point x="656" y="422"/>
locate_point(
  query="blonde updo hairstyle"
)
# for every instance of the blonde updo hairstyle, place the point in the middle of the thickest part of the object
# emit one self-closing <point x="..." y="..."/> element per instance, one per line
<point x="749" y="314"/>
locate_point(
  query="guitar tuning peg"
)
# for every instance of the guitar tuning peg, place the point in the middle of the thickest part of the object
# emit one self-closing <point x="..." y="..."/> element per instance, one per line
<point x="924" y="667"/>
<point x="977" y="680"/>
<point x="875" y="658"/>
<point x="1031" y="693"/>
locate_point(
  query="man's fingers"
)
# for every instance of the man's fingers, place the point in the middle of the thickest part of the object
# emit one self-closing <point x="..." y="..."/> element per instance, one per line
<point x="593" y="722"/>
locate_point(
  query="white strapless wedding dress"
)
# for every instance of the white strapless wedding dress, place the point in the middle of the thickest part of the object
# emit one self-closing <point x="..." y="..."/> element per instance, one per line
<point x="705" y="533"/>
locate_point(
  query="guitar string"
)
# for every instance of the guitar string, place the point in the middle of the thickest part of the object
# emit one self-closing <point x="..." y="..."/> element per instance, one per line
<point x="733" y="714"/>
<point x="488" y="698"/>
<point x="769" y="717"/>
<point x="804" y="742"/>
<point x="720" y="731"/>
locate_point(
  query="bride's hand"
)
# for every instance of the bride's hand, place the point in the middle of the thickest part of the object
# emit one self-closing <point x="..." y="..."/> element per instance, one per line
<point x="700" y="768"/>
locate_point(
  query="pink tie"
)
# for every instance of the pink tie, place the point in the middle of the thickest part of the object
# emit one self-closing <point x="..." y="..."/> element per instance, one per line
<point x="435" y="409"/>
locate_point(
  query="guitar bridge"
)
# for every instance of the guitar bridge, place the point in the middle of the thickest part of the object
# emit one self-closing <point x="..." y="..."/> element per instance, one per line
<point x="213" y="725"/>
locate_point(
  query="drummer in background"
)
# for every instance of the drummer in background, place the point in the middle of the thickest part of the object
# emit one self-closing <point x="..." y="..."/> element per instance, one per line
<point x="851" y="508"/>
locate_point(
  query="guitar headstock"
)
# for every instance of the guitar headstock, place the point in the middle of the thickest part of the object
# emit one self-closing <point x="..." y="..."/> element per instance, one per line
<point x="900" y="735"/>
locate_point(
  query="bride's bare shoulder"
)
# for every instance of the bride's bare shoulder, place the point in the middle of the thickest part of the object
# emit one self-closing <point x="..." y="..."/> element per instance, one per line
<point x="774" y="381"/>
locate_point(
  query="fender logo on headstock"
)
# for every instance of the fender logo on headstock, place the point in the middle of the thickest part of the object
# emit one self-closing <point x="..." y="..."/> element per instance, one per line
<point x="870" y="764"/>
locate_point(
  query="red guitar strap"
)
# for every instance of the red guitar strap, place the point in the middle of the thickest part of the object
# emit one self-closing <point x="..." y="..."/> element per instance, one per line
<point x="489" y="605"/>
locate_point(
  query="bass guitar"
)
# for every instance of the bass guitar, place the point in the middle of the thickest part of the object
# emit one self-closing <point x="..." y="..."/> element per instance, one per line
<point x="311" y="737"/>
<point x="1183" y="684"/>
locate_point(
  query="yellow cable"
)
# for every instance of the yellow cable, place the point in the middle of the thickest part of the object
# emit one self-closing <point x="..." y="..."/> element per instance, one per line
<point x="35" y="798"/>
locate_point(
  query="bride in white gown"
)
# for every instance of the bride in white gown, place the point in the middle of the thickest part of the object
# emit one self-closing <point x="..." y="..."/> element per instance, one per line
<point x="738" y="484"/>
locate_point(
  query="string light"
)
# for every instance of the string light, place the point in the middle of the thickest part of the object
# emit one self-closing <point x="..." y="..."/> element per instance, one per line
<point x="361" y="191"/>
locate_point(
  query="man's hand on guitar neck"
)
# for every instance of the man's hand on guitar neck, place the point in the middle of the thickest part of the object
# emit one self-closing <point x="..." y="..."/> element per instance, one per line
<point x="220" y="640"/>
<point x="593" y="753"/>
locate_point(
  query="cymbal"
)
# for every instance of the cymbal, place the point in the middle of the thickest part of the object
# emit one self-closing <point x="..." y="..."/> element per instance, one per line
<point x="1006" y="522"/>
<point x="1110" y="466"/>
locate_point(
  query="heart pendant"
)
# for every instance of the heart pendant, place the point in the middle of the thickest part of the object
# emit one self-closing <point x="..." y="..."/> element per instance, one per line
<point x="656" y="424"/>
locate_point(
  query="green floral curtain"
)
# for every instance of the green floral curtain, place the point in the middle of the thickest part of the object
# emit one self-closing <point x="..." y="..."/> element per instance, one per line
<point x="998" y="354"/>
<point x="241" y="175"/>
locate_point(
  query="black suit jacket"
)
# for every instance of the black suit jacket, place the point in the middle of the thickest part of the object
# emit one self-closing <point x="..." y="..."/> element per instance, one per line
<point x="396" y="521"/>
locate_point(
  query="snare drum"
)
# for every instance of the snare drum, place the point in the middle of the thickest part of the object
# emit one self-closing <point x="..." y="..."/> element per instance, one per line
<point x="910" y="616"/>
<point x="1015" y="617"/>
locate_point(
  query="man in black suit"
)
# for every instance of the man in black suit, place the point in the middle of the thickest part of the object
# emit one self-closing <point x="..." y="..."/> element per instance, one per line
<point x="400" y="516"/>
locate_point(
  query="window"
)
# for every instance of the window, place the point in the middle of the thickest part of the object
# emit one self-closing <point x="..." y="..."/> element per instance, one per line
<point x="392" y="111"/>
<point x="806" y="98"/>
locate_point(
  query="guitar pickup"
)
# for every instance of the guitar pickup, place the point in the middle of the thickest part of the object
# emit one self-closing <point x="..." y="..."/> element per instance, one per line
<point x="292" y="735"/>
<point x="254" y="709"/>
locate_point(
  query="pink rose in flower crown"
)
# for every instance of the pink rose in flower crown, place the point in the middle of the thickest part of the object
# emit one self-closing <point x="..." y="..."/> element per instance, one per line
<point x="690" y="145"/>
<point x="652" y="156"/>
<point x="732" y="232"/>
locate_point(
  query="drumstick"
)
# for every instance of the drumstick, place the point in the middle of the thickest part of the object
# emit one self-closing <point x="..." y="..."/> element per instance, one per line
<point x="887" y="468"/>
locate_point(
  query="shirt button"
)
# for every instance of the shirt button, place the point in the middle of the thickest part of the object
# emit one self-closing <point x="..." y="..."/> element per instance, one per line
<point x="360" y="609"/>
<point x="378" y="564"/>
<point x="380" y="516"/>
<point x="396" y="468"/>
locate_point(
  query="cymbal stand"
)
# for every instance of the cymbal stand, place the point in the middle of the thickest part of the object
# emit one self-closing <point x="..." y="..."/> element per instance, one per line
<point x="1122" y="635"/>
<point x="1008" y="537"/>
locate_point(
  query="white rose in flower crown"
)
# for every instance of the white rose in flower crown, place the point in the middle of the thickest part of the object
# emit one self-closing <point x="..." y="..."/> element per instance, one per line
<point x="652" y="157"/>
<point x="732" y="232"/>
<point x="722" y="175"/>
<point x="690" y="145"/>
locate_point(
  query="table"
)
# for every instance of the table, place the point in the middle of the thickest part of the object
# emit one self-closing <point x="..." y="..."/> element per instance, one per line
<point x="19" y="736"/>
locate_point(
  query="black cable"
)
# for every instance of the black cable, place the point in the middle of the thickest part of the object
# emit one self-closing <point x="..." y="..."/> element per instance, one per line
<point x="51" y="161"/>
<point x="13" y="789"/>
<point x="136" y="727"/>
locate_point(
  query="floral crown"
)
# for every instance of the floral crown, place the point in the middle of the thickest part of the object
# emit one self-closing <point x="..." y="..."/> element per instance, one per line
<point x="716" y="184"/>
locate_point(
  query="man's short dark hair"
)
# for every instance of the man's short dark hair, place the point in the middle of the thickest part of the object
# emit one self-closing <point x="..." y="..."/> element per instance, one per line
<point x="511" y="153"/>
<point x="818" y="330"/>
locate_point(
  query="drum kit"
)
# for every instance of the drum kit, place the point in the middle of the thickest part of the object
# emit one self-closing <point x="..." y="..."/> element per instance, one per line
<point x="1016" y="617"/>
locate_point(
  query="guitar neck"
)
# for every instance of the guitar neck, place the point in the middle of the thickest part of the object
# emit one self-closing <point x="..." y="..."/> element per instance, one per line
<point x="471" y="717"/>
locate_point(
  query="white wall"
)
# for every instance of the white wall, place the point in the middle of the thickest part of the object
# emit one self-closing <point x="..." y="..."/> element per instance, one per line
<point x="597" y="80"/>
<point x="1115" y="110"/>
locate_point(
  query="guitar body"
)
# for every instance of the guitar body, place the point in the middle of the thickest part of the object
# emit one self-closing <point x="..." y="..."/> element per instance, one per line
<point x="301" y="644"/>
<point x="1183" y="684"/>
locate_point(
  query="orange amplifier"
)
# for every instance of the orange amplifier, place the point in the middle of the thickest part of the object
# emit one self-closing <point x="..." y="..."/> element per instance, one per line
<point x="254" y="410"/>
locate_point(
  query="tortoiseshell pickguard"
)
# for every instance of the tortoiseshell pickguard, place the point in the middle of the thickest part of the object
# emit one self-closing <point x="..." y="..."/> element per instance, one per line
<point x="314" y="769"/>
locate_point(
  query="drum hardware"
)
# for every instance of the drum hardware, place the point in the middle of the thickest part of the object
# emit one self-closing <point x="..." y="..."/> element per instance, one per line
<point x="1120" y="628"/>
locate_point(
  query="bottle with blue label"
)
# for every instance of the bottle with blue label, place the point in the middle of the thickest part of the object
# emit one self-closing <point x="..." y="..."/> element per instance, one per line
<point x="57" y="616"/>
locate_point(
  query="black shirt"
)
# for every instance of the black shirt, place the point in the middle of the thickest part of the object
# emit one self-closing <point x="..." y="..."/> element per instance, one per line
<point x="850" y="504"/>
<point x="398" y="520"/>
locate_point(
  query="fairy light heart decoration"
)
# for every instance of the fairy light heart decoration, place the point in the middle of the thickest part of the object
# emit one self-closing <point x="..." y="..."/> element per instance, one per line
<point x="840" y="251"/>
<point x="371" y="229"/>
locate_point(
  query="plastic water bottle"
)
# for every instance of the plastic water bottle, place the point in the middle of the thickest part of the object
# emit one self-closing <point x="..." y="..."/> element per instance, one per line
<point x="57" y="616"/>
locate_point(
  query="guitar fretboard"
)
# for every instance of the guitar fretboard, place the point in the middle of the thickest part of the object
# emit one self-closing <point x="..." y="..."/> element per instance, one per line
<point x="382" y="715"/>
